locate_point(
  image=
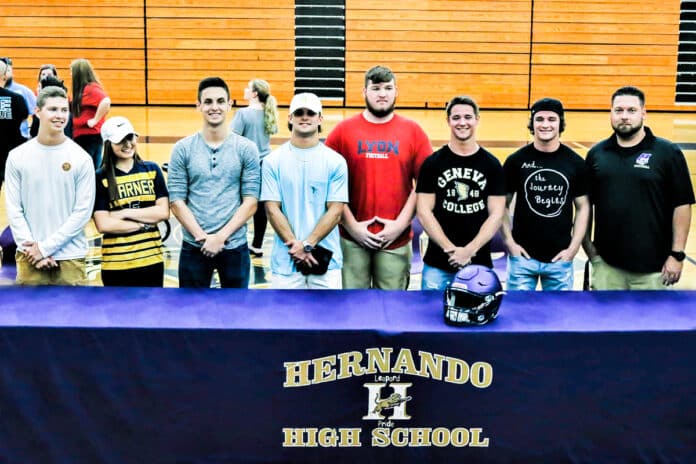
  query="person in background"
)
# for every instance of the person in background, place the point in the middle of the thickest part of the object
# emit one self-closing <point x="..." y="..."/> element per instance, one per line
<point x="23" y="90"/>
<point x="46" y="70"/>
<point x="90" y="106"/>
<point x="131" y="198"/>
<point x="257" y="122"/>
<point x="13" y="111"/>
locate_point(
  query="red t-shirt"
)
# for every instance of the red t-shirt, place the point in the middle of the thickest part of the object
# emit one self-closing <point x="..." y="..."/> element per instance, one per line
<point x="383" y="163"/>
<point x="92" y="95"/>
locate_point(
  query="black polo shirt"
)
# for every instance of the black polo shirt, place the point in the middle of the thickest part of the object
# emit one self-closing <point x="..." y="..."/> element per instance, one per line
<point x="634" y="192"/>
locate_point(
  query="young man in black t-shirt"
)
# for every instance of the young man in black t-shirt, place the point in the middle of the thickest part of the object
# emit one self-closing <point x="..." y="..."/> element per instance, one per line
<point x="460" y="199"/>
<point x="641" y="192"/>
<point x="548" y="181"/>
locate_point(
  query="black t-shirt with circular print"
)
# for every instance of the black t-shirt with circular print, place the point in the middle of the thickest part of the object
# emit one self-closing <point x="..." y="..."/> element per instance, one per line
<point x="546" y="185"/>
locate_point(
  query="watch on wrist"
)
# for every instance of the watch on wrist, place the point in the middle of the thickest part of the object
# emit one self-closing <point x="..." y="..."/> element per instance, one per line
<point x="678" y="255"/>
<point x="308" y="247"/>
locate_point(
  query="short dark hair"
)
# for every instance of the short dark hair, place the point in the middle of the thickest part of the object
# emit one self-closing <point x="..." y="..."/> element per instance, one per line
<point x="629" y="90"/>
<point x="48" y="66"/>
<point x="462" y="100"/>
<point x="212" y="82"/>
<point x="378" y="74"/>
<point x="6" y="60"/>
<point x="52" y="81"/>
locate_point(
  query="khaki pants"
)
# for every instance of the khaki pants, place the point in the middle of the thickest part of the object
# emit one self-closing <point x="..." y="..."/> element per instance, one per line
<point x="384" y="269"/>
<point x="68" y="272"/>
<point x="607" y="277"/>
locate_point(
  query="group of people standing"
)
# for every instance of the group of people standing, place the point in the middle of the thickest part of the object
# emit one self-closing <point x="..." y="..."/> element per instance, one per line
<point x="89" y="107"/>
<point x="51" y="183"/>
<point x="342" y="209"/>
<point x="636" y="186"/>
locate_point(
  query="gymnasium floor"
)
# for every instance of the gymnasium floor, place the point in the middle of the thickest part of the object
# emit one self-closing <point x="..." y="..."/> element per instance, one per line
<point x="499" y="131"/>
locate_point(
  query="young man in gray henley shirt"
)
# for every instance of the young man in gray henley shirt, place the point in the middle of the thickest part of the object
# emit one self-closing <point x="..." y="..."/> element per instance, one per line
<point x="214" y="182"/>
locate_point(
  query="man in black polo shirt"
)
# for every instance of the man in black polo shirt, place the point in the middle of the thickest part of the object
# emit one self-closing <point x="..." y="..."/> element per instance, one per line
<point x="641" y="191"/>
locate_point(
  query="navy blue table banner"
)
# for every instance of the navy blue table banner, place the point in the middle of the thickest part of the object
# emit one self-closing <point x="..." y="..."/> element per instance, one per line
<point x="174" y="376"/>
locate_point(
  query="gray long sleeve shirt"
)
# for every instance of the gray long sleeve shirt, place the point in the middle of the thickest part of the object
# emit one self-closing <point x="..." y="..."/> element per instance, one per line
<point x="212" y="182"/>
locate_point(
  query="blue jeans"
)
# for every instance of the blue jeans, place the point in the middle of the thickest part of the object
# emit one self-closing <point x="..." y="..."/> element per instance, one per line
<point x="524" y="273"/>
<point x="196" y="270"/>
<point x="435" y="279"/>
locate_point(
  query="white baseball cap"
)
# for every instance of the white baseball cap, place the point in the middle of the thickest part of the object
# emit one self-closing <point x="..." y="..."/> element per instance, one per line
<point x="116" y="129"/>
<point x="305" y="100"/>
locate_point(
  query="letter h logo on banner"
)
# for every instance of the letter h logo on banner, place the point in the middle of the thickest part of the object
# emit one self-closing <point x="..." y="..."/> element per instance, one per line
<point x="396" y="401"/>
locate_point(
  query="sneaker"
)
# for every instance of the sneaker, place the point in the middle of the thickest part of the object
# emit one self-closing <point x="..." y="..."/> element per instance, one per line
<point x="255" y="252"/>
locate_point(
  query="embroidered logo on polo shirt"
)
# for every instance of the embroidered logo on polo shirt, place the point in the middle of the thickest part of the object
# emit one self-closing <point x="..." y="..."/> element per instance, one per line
<point x="66" y="166"/>
<point x="643" y="160"/>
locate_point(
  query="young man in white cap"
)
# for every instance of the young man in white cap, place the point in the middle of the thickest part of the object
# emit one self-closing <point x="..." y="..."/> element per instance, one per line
<point x="548" y="181"/>
<point x="305" y="187"/>
<point x="49" y="199"/>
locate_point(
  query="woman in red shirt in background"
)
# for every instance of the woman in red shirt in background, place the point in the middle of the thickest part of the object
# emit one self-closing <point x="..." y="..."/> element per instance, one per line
<point x="90" y="105"/>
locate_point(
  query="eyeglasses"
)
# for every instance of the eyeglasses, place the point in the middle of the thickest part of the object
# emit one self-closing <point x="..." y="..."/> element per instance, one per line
<point x="303" y="112"/>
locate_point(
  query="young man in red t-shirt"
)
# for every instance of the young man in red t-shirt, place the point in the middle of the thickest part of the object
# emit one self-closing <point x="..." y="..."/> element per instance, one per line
<point x="384" y="152"/>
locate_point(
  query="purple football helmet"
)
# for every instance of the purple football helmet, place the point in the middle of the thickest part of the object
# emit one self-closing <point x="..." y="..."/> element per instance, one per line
<point x="473" y="297"/>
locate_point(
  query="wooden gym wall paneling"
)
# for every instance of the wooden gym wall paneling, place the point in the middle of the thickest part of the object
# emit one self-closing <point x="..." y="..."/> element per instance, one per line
<point x="236" y="40"/>
<point x="109" y="33"/>
<point x="584" y="50"/>
<point x="503" y="53"/>
<point x="441" y="48"/>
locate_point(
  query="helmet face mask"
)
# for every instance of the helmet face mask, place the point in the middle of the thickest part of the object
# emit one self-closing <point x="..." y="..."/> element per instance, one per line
<point x="473" y="297"/>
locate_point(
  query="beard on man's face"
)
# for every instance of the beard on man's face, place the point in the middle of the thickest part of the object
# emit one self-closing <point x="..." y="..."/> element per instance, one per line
<point x="626" y="131"/>
<point x="379" y="113"/>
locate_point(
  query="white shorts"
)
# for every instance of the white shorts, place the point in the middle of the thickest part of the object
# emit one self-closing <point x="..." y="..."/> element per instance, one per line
<point x="331" y="280"/>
